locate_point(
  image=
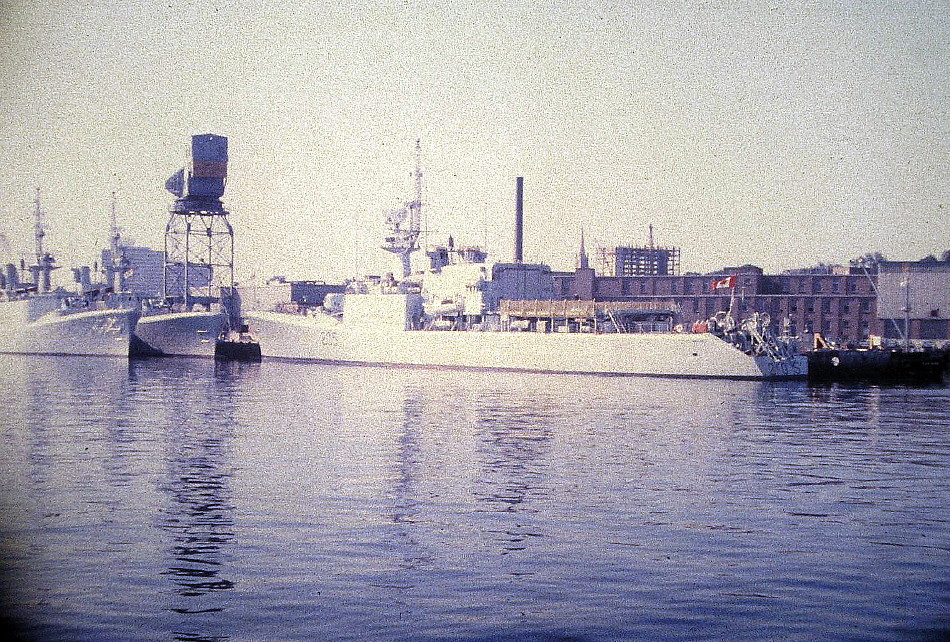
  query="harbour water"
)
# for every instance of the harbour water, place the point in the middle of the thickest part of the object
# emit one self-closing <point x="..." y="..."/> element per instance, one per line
<point x="181" y="499"/>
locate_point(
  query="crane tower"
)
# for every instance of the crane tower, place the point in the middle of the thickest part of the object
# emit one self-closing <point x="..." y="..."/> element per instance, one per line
<point x="199" y="240"/>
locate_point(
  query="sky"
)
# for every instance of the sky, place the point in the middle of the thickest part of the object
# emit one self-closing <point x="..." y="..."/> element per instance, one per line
<point x="781" y="134"/>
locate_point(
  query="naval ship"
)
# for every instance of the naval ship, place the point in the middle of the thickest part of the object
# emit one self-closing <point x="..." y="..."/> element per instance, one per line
<point x="465" y="313"/>
<point x="380" y="329"/>
<point x="36" y="319"/>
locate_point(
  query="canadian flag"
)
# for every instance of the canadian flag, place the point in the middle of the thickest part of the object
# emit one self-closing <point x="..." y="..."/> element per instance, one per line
<point x="725" y="283"/>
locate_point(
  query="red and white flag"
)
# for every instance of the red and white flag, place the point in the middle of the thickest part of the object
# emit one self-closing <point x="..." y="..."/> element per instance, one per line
<point x="724" y="283"/>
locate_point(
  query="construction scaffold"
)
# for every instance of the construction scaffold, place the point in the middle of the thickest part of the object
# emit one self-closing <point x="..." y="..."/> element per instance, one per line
<point x="639" y="261"/>
<point x="588" y="316"/>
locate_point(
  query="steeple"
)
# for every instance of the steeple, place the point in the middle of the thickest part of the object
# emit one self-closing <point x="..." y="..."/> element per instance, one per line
<point x="582" y="261"/>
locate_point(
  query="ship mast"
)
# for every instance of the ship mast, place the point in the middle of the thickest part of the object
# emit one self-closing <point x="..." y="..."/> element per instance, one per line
<point x="114" y="231"/>
<point x="118" y="264"/>
<point x="404" y="223"/>
<point x="415" y="208"/>
<point x="39" y="228"/>
<point x="44" y="261"/>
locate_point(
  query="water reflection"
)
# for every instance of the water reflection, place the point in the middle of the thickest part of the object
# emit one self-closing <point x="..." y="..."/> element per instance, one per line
<point x="406" y="500"/>
<point x="514" y="445"/>
<point x="199" y="516"/>
<point x="198" y="511"/>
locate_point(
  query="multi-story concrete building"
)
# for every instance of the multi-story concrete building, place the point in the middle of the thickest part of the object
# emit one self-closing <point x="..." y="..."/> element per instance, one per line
<point x="145" y="275"/>
<point x="915" y="294"/>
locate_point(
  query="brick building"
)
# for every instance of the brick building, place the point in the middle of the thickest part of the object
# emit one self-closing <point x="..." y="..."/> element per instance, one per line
<point x="841" y="306"/>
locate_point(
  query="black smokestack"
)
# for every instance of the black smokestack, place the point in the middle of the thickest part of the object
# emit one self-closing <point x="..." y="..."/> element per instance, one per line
<point x="519" y="218"/>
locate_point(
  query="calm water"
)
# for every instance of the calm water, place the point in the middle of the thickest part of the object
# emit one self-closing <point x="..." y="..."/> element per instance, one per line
<point x="183" y="500"/>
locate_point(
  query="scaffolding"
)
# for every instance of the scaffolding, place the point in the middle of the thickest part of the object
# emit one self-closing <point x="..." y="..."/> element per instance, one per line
<point x="639" y="261"/>
<point x="588" y="315"/>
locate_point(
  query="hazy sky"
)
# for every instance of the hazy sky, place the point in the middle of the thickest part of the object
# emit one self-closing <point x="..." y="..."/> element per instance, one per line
<point x="775" y="133"/>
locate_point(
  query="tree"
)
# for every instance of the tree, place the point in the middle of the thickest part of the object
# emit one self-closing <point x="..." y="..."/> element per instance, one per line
<point x="868" y="261"/>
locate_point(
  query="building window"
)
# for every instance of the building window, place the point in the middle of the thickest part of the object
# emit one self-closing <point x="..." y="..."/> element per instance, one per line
<point x="866" y="307"/>
<point x="810" y="306"/>
<point x="852" y="286"/>
<point x="845" y="307"/>
<point x="826" y="306"/>
<point x="933" y="329"/>
<point x="673" y="287"/>
<point x="835" y="285"/>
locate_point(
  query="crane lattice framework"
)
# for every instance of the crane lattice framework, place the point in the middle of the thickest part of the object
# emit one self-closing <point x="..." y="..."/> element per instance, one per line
<point x="199" y="256"/>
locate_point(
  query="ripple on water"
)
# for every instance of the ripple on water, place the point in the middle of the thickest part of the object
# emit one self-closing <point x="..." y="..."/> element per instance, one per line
<point x="175" y="499"/>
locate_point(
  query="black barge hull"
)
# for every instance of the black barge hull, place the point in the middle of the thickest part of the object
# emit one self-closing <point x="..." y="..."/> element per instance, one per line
<point x="897" y="366"/>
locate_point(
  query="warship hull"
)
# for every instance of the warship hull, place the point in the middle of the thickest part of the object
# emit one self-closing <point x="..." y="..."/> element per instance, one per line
<point x="323" y="338"/>
<point x="29" y="329"/>
<point x="178" y="334"/>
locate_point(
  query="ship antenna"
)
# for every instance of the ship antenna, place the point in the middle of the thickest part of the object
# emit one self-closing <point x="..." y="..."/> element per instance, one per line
<point x="114" y="230"/>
